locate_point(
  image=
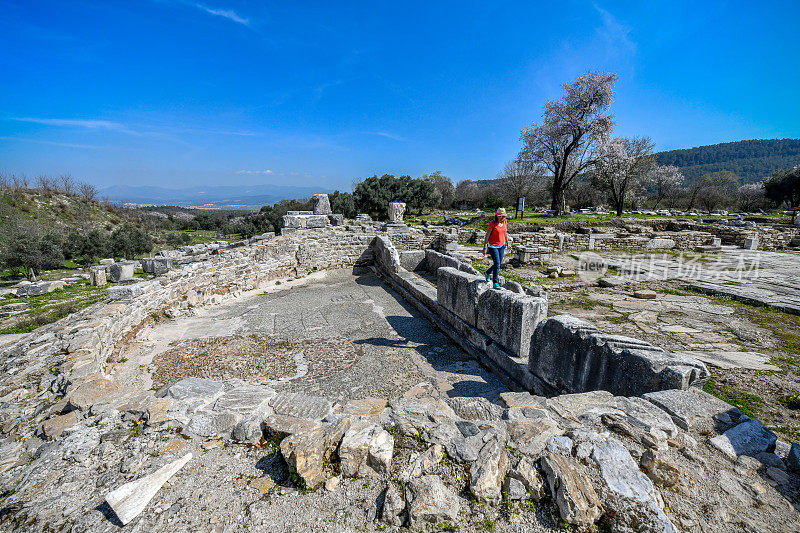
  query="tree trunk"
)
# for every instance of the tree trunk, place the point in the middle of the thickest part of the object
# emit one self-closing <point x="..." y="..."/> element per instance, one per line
<point x="557" y="200"/>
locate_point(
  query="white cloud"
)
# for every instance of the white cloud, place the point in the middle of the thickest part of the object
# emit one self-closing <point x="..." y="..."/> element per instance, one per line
<point x="254" y="172"/>
<point x="79" y="123"/>
<point x="229" y="14"/>
<point x="387" y="135"/>
<point x="614" y="32"/>
<point x="52" y="143"/>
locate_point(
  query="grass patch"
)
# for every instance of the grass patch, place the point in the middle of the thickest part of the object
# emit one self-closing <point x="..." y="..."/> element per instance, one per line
<point x="792" y="401"/>
<point x="747" y="403"/>
<point x="53" y="306"/>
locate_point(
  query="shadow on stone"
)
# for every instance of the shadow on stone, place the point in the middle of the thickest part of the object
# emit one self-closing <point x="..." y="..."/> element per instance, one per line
<point x="109" y="513"/>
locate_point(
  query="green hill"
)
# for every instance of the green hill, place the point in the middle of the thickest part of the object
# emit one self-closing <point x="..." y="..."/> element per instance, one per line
<point x="752" y="160"/>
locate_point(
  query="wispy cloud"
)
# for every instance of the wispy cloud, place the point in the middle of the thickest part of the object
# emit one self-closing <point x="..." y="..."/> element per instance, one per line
<point x="614" y="32"/>
<point x="388" y="135"/>
<point x="254" y="172"/>
<point x="51" y="143"/>
<point x="79" y="123"/>
<point x="229" y="14"/>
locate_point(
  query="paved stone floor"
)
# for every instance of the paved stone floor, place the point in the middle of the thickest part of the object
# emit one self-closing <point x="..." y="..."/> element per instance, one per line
<point x="765" y="278"/>
<point x="397" y="348"/>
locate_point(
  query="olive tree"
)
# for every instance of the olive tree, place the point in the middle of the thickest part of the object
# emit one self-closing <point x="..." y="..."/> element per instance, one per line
<point x="572" y="129"/>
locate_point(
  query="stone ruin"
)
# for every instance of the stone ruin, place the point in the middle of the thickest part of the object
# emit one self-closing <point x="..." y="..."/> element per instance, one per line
<point x="595" y="426"/>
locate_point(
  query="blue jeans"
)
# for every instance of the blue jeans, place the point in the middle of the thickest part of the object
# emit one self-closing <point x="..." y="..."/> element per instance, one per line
<point x="497" y="258"/>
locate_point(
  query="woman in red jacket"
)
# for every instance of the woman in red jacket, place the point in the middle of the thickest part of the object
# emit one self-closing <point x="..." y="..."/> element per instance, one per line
<point x="495" y="244"/>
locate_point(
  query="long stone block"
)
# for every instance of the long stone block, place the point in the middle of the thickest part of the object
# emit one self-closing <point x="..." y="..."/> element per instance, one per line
<point x="572" y="355"/>
<point x="458" y="292"/>
<point x="510" y="318"/>
<point x="385" y="255"/>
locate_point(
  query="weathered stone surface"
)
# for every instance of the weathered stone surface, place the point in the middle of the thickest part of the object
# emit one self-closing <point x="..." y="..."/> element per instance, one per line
<point x="248" y="429"/>
<point x="531" y="436"/>
<point x="694" y="409"/>
<point x="121" y="271"/>
<point x="97" y="277"/>
<point x="86" y="394"/>
<point x="639" y="508"/>
<point x="321" y="203"/>
<point x="526" y="473"/>
<point x="793" y="459"/>
<point x="488" y="472"/>
<point x="458" y="292"/>
<point x="424" y="463"/>
<point x="646" y="415"/>
<point x="53" y="427"/>
<point x="278" y="427"/>
<point x="565" y="351"/>
<point x="412" y="260"/>
<point x="158" y="412"/>
<point x="430" y="501"/>
<point x="189" y="388"/>
<point x="213" y="423"/>
<point x="475" y="408"/>
<point x="316" y="221"/>
<point x="660" y="244"/>
<point x="307" y="452"/>
<point x="645" y="294"/>
<point x="522" y="399"/>
<point x="386" y="256"/>
<point x="156" y="265"/>
<point x="572" y="490"/>
<point x="411" y="415"/>
<point x="748" y="438"/>
<point x="365" y="407"/>
<point x="572" y="406"/>
<point x="366" y="450"/>
<point x="299" y="405"/>
<point x="396" y="211"/>
<point x="247" y="400"/>
<point x="560" y="446"/>
<point x="393" y="506"/>
<point x="659" y="469"/>
<point x="131" y="498"/>
<point x="510" y="319"/>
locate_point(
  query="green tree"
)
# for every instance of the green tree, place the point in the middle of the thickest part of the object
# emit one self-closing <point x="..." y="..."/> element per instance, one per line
<point x="783" y="187"/>
<point x="343" y="202"/>
<point x="129" y="242"/>
<point x="717" y="189"/>
<point x="32" y="253"/>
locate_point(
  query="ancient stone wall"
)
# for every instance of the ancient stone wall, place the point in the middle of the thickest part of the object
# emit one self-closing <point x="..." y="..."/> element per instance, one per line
<point x="509" y="332"/>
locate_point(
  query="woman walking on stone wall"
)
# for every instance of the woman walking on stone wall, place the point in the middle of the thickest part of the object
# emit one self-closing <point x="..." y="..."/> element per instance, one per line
<point x="495" y="244"/>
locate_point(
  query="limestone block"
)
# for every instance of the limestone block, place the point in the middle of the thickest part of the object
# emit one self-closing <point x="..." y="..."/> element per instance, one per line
<point x="279" y="427"/>
<point x="246" y="400"/>
<point x="660" y="244"/>
<point x="396" y="211"/>
<point x="121" y="271"/>
<point x="53" y="427"/>
<point x="307" y="452"/>
<point x="316" y="221"/>
<point x="424" y="463"/>
<point x="107" y="262"/>
<point x="695" y="410"/>
<point x="488" y="472"/>
<point x="567" y="352"/>
<point x="748" y="438"/>
<point x="156" y="265"/>
<point x="321" y="203"/>
<point x="299" y="405"/>
<point x="793" y="459"/>
<point x="638" y="508"/>
<point x="291" y="221"/>
<point x="510" y="319"/>
<point x="458" y="292"/>
<point x="366" y="450"/>
<point x="526" y="473"/>
<point x="336" y="219"/>
<point x="97" y="276"/>
<point x="430" y="501"/>
<point x="86" y="394"/>
<point x="572" y="490"/>
<point x="412" y="260"/>
<point x="191" y="388"/>
<point x="386" y="255"/>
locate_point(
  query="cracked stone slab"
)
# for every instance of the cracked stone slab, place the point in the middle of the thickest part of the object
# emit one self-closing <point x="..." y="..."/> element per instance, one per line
<point x="748" y="438"/>
<point x="246" y="400"/>
<point x="694" y="409"/>
<point x="296" y="405"/>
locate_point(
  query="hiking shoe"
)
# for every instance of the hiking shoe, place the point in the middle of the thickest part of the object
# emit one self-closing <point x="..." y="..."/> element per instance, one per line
<point x="488" y="277"/>
<point x="496" y="285"/>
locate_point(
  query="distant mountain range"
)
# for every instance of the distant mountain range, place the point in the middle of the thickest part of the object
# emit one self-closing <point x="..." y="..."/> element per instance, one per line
<point x="216" y="197"/>
<point x="752" y="160"/>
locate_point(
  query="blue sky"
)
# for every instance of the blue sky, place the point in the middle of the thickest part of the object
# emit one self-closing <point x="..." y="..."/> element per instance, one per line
<point x="179" y="93"/>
